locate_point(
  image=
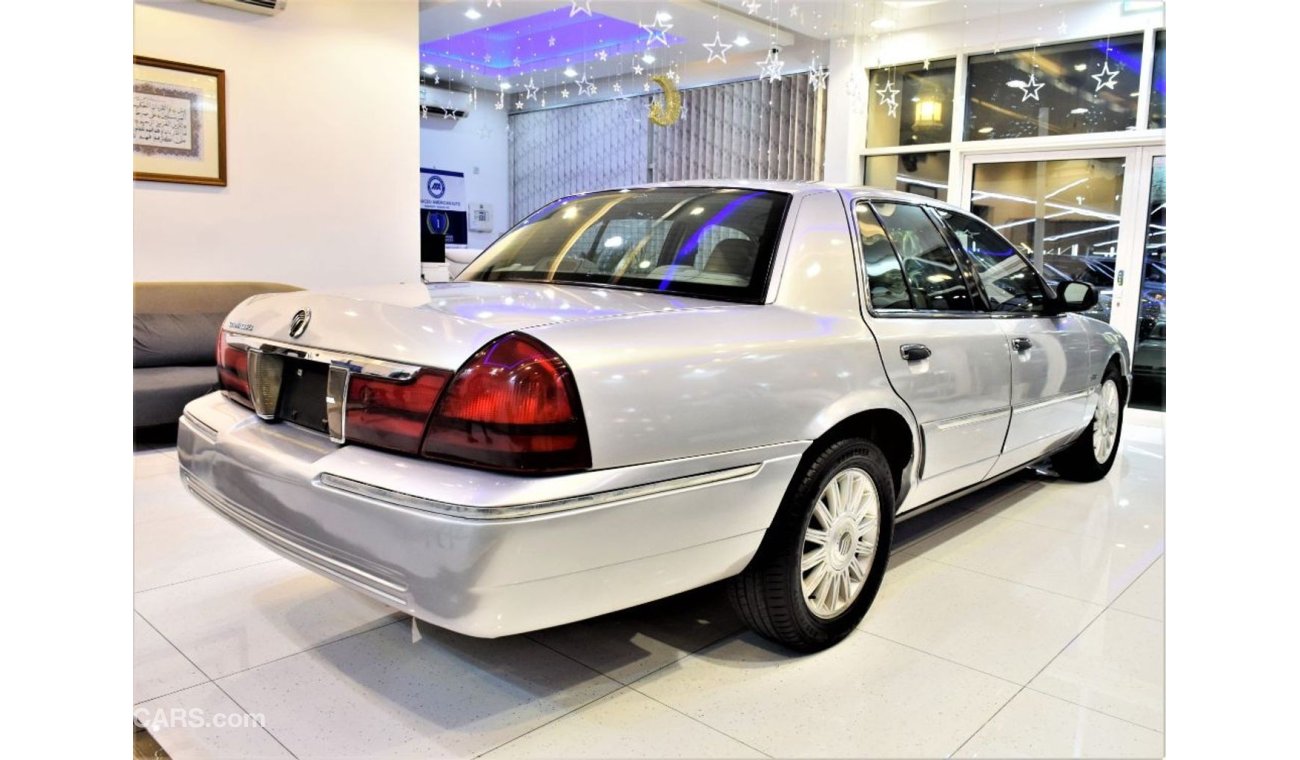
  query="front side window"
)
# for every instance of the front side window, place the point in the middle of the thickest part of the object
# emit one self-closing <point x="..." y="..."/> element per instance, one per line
<point x="929" y="267"/>
<point x="1008" y="280"/>
<point x="698" y="241"/>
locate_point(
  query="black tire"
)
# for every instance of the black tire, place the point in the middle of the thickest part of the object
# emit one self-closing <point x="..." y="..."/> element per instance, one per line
<point x="768" y="594"/>
<point x="1079" y="460"/>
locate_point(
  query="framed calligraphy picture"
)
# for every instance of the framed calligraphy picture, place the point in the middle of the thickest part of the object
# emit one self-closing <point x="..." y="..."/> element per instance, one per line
<point x="180" y="122"/>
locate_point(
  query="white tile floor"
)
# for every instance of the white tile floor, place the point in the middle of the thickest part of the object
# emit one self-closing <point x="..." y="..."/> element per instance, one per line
<point x="1023" y="621"/>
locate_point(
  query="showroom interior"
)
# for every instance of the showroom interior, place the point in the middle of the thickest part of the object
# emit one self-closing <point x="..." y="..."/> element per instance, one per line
<point x="1024" y="619"/>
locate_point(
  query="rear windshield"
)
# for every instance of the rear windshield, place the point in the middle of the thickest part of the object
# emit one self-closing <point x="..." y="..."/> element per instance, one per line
<point x="709" y="242"/>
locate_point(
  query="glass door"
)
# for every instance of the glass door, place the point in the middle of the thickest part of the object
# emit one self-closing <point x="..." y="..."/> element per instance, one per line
<point x="1149" y="345"/>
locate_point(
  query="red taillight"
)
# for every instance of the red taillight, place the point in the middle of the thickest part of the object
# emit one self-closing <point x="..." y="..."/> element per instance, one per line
<point x="512" y="406"/>
<point x="232" y="370"/>
<point x="392" y="414"/>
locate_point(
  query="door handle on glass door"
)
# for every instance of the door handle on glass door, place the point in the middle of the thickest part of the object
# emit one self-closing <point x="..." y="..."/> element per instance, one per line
<point x="914" y="352"/>
<point x="1021" y="344"/>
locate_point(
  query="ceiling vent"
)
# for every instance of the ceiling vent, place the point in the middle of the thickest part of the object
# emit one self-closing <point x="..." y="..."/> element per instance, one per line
<point x="264" y="7"/>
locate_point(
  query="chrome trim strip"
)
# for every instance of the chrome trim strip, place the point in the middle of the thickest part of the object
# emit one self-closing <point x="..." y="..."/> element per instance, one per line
<point x="202" y="426"/>
<point x="397" y="498"/>
<point x="969" y="419"/>
<point x="333" y="567"/>
<point x="362" y="365"/>
<point x="1051" y="400"/>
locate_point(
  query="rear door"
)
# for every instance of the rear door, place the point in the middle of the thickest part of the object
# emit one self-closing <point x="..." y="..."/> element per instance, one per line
<point x="1050" y="362"/>
<point x="944" y="354"/>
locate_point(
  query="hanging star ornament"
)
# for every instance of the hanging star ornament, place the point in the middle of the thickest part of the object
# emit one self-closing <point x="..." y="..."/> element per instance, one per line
<point x="564" y="93"/>
<point x="656" y="31"/>
<point x="770" y="67"/>
<point x="580" y="6"/>
<point x="637" y="69"/>
<point x="530" y="90"/>
<point x="516" y="62"/>
<point x="888" y="94"/>
<point x="519" y="104"/>
<point x="717" y="49"/>
<point x="817" y="76"/>
<point x="602" y="55"/>
<point x="501" y="102"/>
<point x="550" y="41"/>
<point x="1030" y="88"/>
<point x="1107" y="75"/>
<point x="618" y="88"/>
<point x="752" y="6"/>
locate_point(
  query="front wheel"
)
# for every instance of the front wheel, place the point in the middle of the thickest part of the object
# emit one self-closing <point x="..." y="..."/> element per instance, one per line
<point x="823" y="558"/>
<point x="1093" y="454"/>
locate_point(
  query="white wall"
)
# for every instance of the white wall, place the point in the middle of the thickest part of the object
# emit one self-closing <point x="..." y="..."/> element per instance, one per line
<point x="478" y="146"/>
<point x="321" y="145"/>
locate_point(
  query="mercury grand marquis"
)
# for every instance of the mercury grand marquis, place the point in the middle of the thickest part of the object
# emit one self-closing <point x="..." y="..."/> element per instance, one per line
<point x="637" y="392"/>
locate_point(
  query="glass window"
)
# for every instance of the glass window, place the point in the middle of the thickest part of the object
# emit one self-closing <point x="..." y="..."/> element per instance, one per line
<point x="911" y="105"/>
<point x="884" y="273"/>
<point x="710" y="242"/>
<point x="1157" y="120"/>
<point x="921" y="173"/>
<point x="1149" y="353"/>
<point x="1008" y="280"/>
<point x="1073" y="88"/>
<point x="929" y="267"/>
<point x="1063" y="214"/>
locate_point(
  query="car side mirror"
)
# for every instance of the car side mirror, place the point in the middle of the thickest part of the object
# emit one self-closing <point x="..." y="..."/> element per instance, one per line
<point x="1073" y="295"/>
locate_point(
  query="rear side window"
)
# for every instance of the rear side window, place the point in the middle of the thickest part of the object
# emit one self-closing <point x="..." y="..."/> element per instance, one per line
<point x="929" y="267"/>
<point x="884" y="271"/>
<point x="1007" y="278"/>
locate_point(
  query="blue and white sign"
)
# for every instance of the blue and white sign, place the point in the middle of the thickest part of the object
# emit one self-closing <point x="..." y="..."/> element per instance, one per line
<point x="443" y="209"/>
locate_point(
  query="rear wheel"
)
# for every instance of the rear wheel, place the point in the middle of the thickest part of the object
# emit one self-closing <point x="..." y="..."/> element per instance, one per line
<point x="1093" y="454"/>
<point x="822" y="560"/>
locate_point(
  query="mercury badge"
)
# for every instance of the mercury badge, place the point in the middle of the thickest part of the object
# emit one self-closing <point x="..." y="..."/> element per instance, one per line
<point x="298" y="325"/>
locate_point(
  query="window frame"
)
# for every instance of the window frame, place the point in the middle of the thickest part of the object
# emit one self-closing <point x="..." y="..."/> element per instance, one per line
<point x="955" y="243"/>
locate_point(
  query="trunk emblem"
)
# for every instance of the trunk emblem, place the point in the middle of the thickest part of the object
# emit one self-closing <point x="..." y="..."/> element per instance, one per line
<point x="298" y="325"/>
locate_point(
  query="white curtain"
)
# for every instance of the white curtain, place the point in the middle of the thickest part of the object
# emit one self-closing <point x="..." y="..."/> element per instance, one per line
<point x="740" y="130"/>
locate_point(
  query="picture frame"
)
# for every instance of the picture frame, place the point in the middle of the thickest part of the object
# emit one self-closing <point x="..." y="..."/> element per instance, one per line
<point x="179" y="122"/>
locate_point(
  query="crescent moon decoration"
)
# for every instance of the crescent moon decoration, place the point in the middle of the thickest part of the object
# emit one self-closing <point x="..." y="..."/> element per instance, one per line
<point x="665" y="113"/>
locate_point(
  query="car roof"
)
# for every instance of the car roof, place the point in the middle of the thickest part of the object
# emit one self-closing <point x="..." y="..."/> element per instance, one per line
<point x="801" y="188"/>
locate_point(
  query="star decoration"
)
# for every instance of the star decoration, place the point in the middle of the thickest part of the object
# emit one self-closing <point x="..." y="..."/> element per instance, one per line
<point x="657" y="31"/>
<point x="637" y="69"/>
<point x="1107" y="75"/>
<point x="424" y="111"/>
<point x="618" y="88"/>
<point x="646" y="87"/>
<point x="817" y="76"/>
<point x="580" y="6"/>
<point x="794" y="11"/>
<point x="582" y="83"/>
<point x="487" y="58"/>
<point x="543" y="102"/>
<point x="770" y="67"/>
<point x="602" y="55"/>
<point x="1030" y="88"/>
<point x="591" y="89"/>
<point x="530" y="90"/>
<point x="889" y="97"/>
<point x="564" y="93"/>
<point x="1061" y="29"/>
<point x="519" y="104"/>
<point x="752" y="6"/>
<point x="516" y="63"/>
<point x="501" y="102"/>
<point x="716" y="54"/>
<point x="550" y="42"/>
<point x="447" y="113"/>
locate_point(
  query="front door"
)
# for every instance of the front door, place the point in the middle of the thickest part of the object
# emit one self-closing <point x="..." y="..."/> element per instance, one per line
<point x="943" y="355"/>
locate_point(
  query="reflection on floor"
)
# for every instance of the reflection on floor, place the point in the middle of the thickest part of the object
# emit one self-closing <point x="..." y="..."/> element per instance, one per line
<point x="1026" y="620"/>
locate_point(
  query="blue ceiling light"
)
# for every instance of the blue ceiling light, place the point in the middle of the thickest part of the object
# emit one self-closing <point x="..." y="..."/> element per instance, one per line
<point x="495" y="48"/>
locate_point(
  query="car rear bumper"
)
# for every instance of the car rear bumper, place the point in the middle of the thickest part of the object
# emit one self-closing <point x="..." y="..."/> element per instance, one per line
<point x="480" y="553"/>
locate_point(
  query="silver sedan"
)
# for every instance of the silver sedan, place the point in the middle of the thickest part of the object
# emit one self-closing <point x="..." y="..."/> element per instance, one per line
<point x="637" y="392"/>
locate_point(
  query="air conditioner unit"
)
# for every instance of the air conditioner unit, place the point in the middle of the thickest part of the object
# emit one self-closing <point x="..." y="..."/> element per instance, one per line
<point x="437" y="101"/>
<point x="264" y="7"/>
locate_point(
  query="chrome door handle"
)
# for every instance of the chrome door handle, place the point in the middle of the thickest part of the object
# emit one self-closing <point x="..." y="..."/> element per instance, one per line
<point x="914" y="352"/>
<point x="1021" y="344"/>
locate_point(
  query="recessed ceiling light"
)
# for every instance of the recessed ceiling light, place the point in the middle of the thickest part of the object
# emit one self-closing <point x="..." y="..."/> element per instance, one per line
<point x="740" y="41"/>
<point x="985" y="130"/>
<point x="1017" y="83"/>
<point x="1080" y="67"/>
<point x="505" y="86"/>
<point x="430" y="70"/>
<point x="1079" y="111"/>
<point x="663" y="17"/>
<point x="570" y="72"/>
<point x="647" y="58"/>
<point x="883" y="23"/>
<point x="473" y="15"/>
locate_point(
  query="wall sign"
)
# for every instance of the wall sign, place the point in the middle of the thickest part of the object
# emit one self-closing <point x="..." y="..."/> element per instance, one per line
<point x="443" y="210"/>
<point x="179" y="122"/>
